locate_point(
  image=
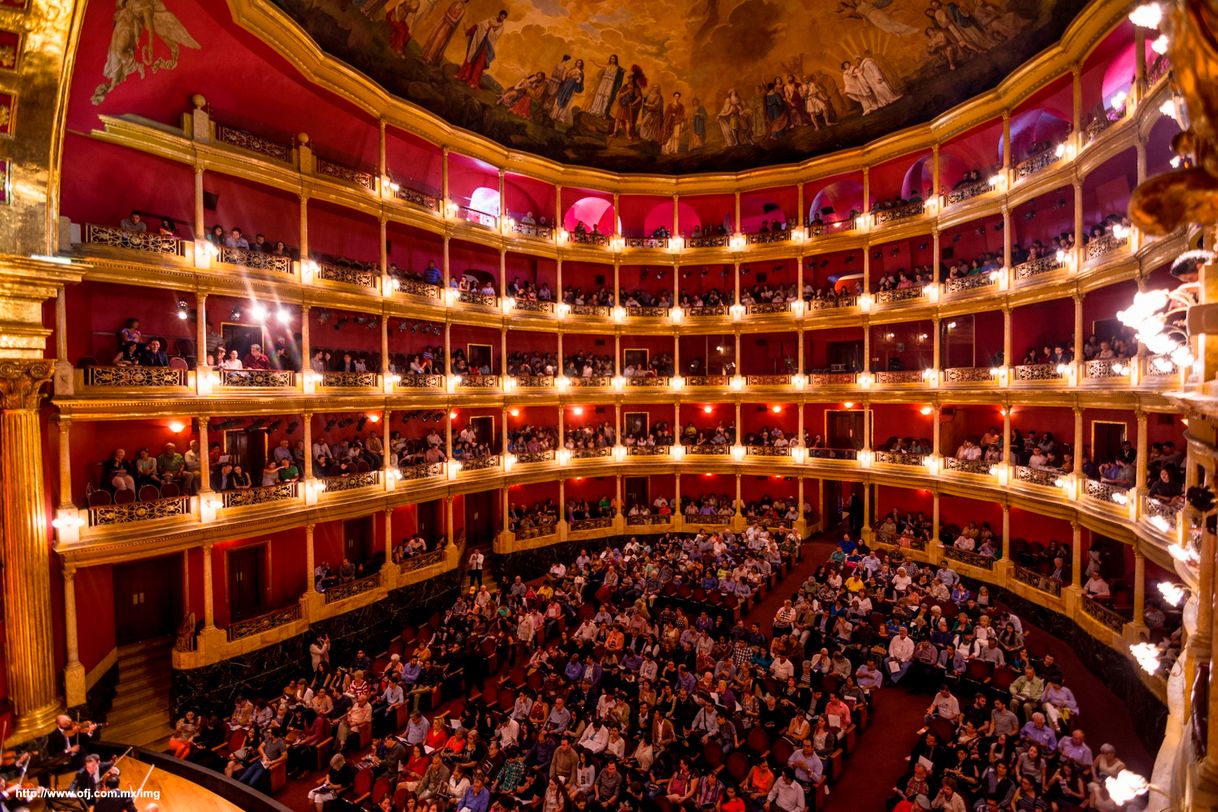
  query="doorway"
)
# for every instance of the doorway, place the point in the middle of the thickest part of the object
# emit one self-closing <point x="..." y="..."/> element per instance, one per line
<point x="957" y="338"/>
<point x="247" y="448"/>
<point x="430" y="520"/>
<point x="844" y="356"/>
<point x="357" y="540"/>
<point x="241" y="337"/>
<point x="147" y="599"/>
<point x="636" y="490"/>
<point x="1106" y="439"/>
<point x="480" y="358"/>
<point x="844" y="430"/>
<point x="480" y="517"/>
<point x="247" y="581"/>
<point x="484" y="431"/>
<point x="636" y="424"/>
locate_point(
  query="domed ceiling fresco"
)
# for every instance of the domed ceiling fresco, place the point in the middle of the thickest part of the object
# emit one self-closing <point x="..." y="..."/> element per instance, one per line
<point x="683" y="85"/>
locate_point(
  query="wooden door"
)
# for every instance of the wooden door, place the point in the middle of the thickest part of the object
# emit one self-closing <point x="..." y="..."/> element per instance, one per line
<point x="845" y="356"/>
<point x="480" y="517"/>
<point x="430" y="519"/>
<point x="1106" y="439"/>
<point x="147" y="599"/>
<point x="246" y="581"/>
<point x="484" y="432"/>
<point x="844" y="429"/>
<point x="357" y="540"/>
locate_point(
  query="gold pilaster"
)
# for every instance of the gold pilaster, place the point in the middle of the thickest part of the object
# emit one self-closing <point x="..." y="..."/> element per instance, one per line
<point x="73" y="672"/>
<point x="27" y="562"/>
<point x="209" y="592"/>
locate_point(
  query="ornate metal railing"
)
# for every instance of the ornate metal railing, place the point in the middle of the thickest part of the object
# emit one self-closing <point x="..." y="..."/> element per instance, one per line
<point x="1104" y="492"/>
<point x="255" y="260"/>
<point x="418" y="562"/>
<point x="831" y="303"/>
<point x="967" y="375"/>
<point x="350" y="589"/>
<point x="480" y="218"/>
<point x="548" y="528"/>
<point x="708" y="450"/>
<point x="715" y="519"/>
<point x="134" y="377"/>
<point x="652" y="518"/>
<point x="836" y="227"/>
<point x="1100" y="246"/>
<point x="600" y="311"/>
<point x="833" y="378"/>
<point x="712" y="241"/>
<point x="246" y="140"/>
<point x="592" y="381"/>
<point x="532" y="230"/>
<point x="901" y="376"/>
<point x="764" y="308"/>
<point x="767" y="451"/>
<point x="1104" y="368"/>
<point x="1035" y="267"/>
<point x="648" y="450"/>
<point x="591" y="453"/>
<point x="768" y="236"/>
<point x="834" y="453"/>
<point x="1037" y="372"/>
<point x="479" y="382"/>
<point x="1037" y="581"/>
<point x="348" y="380"/>
<point x="263" y="623"/>
<point x="973" y="559"/>
<point x="646" y="242"/>
<point x="526" y="457"/>
<point x="364" y="276"/>
<point x="1099" y="124"/>
<point x="145" y="511"/>
<point x="1166" y="510"/>
<point x="898" y="295"/>
<point x="1159" y="365"/>
<point x="418" y="198"/>
<point x="534" y="381"/>
<point x="475" y="298"/>
<point x="901" y="212"/>
<point x="359" y="177"/>
<point x="351" y="482"/>
<point x="145" y="241"/>
<point x="480" y="463"/>
<point x="648" y="380"/>
<point x="707" y="380"/>
<point x="258" y="378"/>
<point x="589" y="238"/>
<point x="967" y="466"/>
<point x="768" y="380"/>
<point x="965" y="192"/>
<point x="1105" y="615"/>
<point x="592" y="524"/>
<point x="900" y="458"/>
<point x="261" y="495"/>
<point x="706" y="310"/>
<point x="422" y="470"/>
<point x="1157" y="70"/>
<point x="1030" y="166"/>
<point x="963" y="284"/>
<point x="1037" y="476"/>
<point x="642" y="312"/>
<point x="411" y="380"/>
<point x="416" y="287"/>
<point x="533" y="306"/>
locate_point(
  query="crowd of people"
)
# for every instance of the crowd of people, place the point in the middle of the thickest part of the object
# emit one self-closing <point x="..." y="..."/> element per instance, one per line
<point x="234" y="238"/>
<point x="537" y="519"/>
<point x="657" y="435"/>
<point x="530" y="439"/>
<point x="590" y="437"/>
<point x="137" y="350"/>
<point x="901" y="279"/>
<point x="594" y="297"/>
<point x="168" y="474"/>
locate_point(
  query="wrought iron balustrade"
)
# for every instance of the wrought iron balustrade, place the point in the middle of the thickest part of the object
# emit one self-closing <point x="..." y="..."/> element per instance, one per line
<point x="350" y="589"/>
<point x="351" y="482"/>
<point x="767" y="308"/>
<point x="473" y="297"/>
<point x="144" y="511"/>
<point x="965" y="284"/>
<point x="1030" y="166"/>
<point x="899" y="376"/>
<point x="411" y="380"/>
<point x="260" y="496"/>
<point x="1101" y="246"/>
<point x="900" y="458"/>
<point x="258" y="378"/>
<point x="595" y="523"/>
<point x="768" y="380"/>
<point x="1037" y="372"/>
<point x="967" y="466"/>
<point x="648" y="450"/>
<point x="480" y="463"/>
<point x="363" y="276"/>
<point x="423" y="470"/>
<point x="243" y="139"/>
<point x="255" y="260"/>
<point x="967" y="375"/>
<point x="973" y="559"/>
<point x="479" y="218"/>
<point x="419" y="198"/>
<point x="416" y="287"/>
<point x="898" y="295"/>
<point x="358" y="177"/>
<point x="902" y="212"/>
<point x="348" y="380"/>
<point x="1104" y="614"/>
<point x="1036" y="580"/>
<point x="533" y="306"/>
<point x="965" y="192"/>
<point x="249" y="627"/>
<point x="134" y="377"/>
<point x="144" y="241"/>
<point x="1035" y="267"/>
<point x="1037" y="476"/>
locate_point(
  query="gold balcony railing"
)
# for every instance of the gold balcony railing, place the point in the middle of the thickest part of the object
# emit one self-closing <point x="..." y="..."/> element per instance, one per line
<point x="1035" y="267"/>
<point x="1037" y="476"/>
<point x="1104" y="614"/>
<point x="350" y="589"/>
<point x="144" y="241"/>
<point x="534" y="381"/>
<point x="148" y="510"/>
<point x="965" y="192"/>
<point x="1108" y="368"/>
<point x="1036" y="163"/>
<point x="533" y="306"/>
<point x="258" y="378"/>
<point x="418" y="562"/>
<point x="358" y="177"/>
<point x="970" y="283"/>
<point x="261" y="495"/>
<point x="897" y="295"/>
<point x="967" y="466"/>
<point x="954" y="375"/>
<point x="348" y="380"/>
<point x="134" y="377"/>
<point x="900" y="458"/>
<point x="249" y="627"/>
<point x="422" y="470"/>
<point x="350" y="482"/>
<point x="473" y="297"/>
<point x="1104" y="492"/>
<point x="1037" y="581"/>
<point x="416" y="287"/>
<point x="902" y="212"/>
<point x="1037" y="373"/>
<point x="472" y="381"/>
<point x="596" y="523"/>
<point x="415" y="197"/>
<point x="362" y="276"/>
<point x="973" y="559"/>
<point x="255" y="260"/>
<point x="480" y="463"/>
<point x="410" y="380"/>
<point x="1100" y="247"/>
<point x="243" y="139"/>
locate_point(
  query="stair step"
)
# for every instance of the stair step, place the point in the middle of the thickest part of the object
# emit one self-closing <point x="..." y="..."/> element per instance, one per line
<point x="147" y="657"/>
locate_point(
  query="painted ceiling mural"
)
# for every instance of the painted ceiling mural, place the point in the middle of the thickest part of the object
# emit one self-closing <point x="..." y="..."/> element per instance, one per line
<point x="683" y="85"/>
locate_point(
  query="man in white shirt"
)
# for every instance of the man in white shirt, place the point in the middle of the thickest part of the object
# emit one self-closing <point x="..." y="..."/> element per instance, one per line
<point x="900" y="655"/>
<point x="944" y="706"/>
<point x="782" y="669"/>
<point x="595" y="738"/>
<point x="786" y="795"/>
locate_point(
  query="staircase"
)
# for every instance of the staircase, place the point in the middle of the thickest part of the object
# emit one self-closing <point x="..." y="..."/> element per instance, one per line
<point x="140" y="712"/>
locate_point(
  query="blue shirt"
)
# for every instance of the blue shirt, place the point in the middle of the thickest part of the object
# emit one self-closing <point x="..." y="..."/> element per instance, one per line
<point x="475" y="801"/>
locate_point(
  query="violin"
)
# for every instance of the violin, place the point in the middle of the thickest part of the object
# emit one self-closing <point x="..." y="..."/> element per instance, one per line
<point x="86" y="728"/>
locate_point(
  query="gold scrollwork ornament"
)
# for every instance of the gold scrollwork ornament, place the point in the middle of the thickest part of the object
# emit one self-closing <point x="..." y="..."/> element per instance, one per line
<point x="21" y="383"/>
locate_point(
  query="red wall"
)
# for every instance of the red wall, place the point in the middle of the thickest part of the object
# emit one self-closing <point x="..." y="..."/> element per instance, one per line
<point x="158" y="187"/>
<point x="767" y="353"/>
<point x="1040" y="324"/>
<point x="900" y="420"/>
<point x="94" y="440"/>
<point x="95" y="613"/>
<point x="341" y="233"/>
<point x="411" y="249"/>
<point x="285" y="567"/>
<point x="96" y="313"/>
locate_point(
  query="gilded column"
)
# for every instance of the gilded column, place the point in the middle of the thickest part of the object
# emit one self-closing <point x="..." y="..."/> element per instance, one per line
<point x="200" y="215"/>
<point x="310" y="560"/>
<point x="1140" y="485"/>
<point x="73" y="672"/>
<point x="448" y="519"/>
<point x="1007" y="360"/>
<point x="304" y="228"/>
<point x="388" y="538"/>
<point x="306" y="421"/>
<point x="1076" y="554"/>
<point x="209" y="592"/>
<point x="204" y="457"/>
<point x="64" y="426"/>
<point x="201" y="334"/>
<point x="1077" y="349"/>
<point x="1139" y="591"/>
<point x="32" y="679"/>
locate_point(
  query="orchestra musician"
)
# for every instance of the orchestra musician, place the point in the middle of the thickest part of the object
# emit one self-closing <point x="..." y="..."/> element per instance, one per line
<point x="13" y="768"/>
<point x="68" y="744"/>
<point x="90" y="777"/>
<point x="114" y="800"/>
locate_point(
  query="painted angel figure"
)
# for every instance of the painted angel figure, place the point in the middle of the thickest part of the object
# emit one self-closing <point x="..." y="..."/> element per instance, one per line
<point x="133" y="20"/>
<point x="874" y="13"/>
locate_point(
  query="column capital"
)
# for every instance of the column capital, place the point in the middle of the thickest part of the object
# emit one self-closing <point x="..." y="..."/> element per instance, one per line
<point x="21" y="383"/>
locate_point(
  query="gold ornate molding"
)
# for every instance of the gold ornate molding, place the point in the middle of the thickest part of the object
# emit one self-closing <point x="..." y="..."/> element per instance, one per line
<point x="22" y="382"/>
